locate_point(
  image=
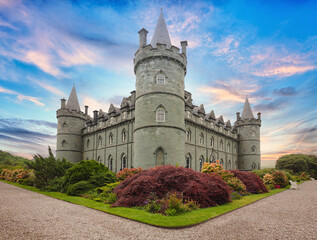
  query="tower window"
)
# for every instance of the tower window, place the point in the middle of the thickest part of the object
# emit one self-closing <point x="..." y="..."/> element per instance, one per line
<point x="188" y="135"/>
<point x="253" y="134"/>
<point x="160" y="79"/>
<point x="160" y="115"/>
<point x="64" y="143"/>
<point x="124" y="135"/>
<point x="253" y="148"/>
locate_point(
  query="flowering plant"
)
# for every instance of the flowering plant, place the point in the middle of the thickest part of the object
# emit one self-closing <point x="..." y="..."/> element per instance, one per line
<point x="127" y="172"/>
<point x="211" y="168"/>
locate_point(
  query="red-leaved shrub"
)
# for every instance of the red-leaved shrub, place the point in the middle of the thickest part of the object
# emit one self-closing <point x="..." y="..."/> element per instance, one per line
<point x="206" y="190"/>
<point x="128" y="172"/>
<point x="252" y="181"/>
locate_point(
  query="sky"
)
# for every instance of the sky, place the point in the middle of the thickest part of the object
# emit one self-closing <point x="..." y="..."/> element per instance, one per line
<point x="264" y="49"/>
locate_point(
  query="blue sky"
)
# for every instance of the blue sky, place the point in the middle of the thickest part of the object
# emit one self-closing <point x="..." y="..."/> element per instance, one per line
<point x="264" y="49"/>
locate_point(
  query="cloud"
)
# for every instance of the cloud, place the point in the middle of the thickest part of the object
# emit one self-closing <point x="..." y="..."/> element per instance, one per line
<point x="95" y="105"/>
<point x="288" y="91"/>
<point x="21" y="97"/>
<point x="283" y="71"/>
<point x="50" y="88"/>
<point x="270" y="106"/>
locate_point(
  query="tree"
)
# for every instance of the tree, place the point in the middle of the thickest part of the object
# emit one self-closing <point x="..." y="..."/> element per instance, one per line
<point x="298" y="163"/>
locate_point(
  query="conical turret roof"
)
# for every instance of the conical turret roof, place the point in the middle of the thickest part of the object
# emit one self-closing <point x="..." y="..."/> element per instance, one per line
<point x="161" y="33"/>
<point x="247" y="111"/>
<point x="72" y="102"/>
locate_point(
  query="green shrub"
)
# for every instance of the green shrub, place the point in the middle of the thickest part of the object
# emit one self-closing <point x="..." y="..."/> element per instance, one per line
<point x="236" y="196"/>
<point x="79" y="188"/>
<point x="262" y="172"/>
<point x="91" y="171"/>
<point x="46" y="169"/>
<point x="107" y="189"/>
<point x="280" y="178"/>
<point x="111" y="198"/>
<point x="54" y="185"/>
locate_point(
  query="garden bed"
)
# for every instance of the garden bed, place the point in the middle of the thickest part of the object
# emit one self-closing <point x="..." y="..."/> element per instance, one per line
<point x="184" y="220"/>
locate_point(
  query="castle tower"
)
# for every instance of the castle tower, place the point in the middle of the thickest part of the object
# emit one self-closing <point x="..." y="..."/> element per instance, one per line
<point x="249" y="138"/>
<point x="159" y="134"/>
<point x="70" y="123"/>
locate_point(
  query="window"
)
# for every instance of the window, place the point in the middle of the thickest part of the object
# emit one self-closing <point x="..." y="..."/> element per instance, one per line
<point x="253" y="134"/>
<point x="160" y="115"/>
<point x="221" y="162"/>
<point x="99" y="159"/>
<point x="221" y="144"/>
<point x="201" y="138"/>
<point x="159" y="157"/>
<point x="160" y="79"/>
<point x="188" y="135"/>
<point x="228" y="147"/>
<point x="124" y="161"/>
<point x="212" y="142"/>
<point x="100" y="141"/>
<point x="64" y="143"/>
<point x="124" y="135"/>
<point x="229" y="164"/>
<point x="253" y="148"/>
<point x="201" y="162"/>
<point x="188" y="160"/>
<point x="88" y="143"/>
<point x="110" y="138"/>
<point x="110" y="162"/>
<point x="212" y="160"/>
<point x="234" y="149"/>
<point x="124" y="115"/>
<point x="64" y="124"/>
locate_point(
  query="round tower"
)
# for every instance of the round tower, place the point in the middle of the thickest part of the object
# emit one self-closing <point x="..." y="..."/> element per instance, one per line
<point x="249" y="139"/>
<point x="159" y="134"/>
<point x="70" y="124"/>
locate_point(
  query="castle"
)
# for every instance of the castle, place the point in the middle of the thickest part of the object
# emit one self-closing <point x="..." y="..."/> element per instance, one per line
<point x="158" y="123"/>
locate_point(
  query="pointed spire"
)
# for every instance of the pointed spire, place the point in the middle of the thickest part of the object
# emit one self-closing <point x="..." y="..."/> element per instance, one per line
<point x="247" y="112"/>
<point x="161" y="33"/>
<point x="72" y="102"/>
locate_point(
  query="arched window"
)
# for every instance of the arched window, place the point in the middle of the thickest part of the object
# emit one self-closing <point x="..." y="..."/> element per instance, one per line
<point x="188" y="135"/>
<point x="188" y="161"/>
<point x="201" y="138"/>
<point x="253" y="148"/>
<point x="228" y="147"/>
<point x="160" y="79"/>
<point x="110" y="162"/>
<point x="212" y="159"/>
<point x="99" y="159"/>
<point x="159" y="157"/>
<point x="123" y="161"/>
<point x="64" y="143"/>
<point x="124" y="135"/>
<point x="100" y="141"/>
<point x="234" y="149"/>
<point x="160" y="115"/>
<point x="110" y="138"/>
<point x="253" y="166"/>
<point x="229" y="165"/>
<point x="221" y="162"/>
<point x="212" y="141"/>
<point x="88" y="143"/>
<point x="221" y="144"/>
<point x="64" y="124"/>
<point x="201" y="162"/>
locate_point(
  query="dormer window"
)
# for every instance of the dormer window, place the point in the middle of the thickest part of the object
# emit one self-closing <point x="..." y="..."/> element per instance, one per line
<point x="160" y="79"/>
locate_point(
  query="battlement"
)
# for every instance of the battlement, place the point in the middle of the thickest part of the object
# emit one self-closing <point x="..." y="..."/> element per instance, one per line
<point x="63" y="112"/>
<point x="161" y="51"/>
<point x="251" y="121"/>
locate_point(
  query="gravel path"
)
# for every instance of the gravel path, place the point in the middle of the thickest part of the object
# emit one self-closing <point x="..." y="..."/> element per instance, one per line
<point x="28" y="215"/>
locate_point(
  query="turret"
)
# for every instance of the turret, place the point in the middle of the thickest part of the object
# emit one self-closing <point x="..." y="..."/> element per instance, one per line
<point x="249" y="138"/>
<point x="70" y="123"/>
<point x="159" y="135"/>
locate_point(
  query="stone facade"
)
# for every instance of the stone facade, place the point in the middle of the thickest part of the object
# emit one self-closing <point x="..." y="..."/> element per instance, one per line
<point x="158" y="123"/>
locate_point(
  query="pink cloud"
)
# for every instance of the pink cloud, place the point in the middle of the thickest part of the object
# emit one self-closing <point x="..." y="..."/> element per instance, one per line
<point x="21" y="97"/>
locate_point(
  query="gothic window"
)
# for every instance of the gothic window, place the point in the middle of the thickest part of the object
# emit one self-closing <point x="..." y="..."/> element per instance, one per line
<point x="110" y="138"/>
<point x="212" y="141"/>
<point x="228" y="147"/>
<point x="201" y="162"/>
<point x="124" y="135"/>
<point x="221" y="162"/>
<point x="253" y="166"/>
<point x="160" y="79"/>
<point x="253" y="148"/>
<point x="99" y="159"/>
<point x="64" y="124"/>
<point x="88" y="143"/>
<point x="160" y="115"/>
<point x="221" y="144"/>
<point x="64" y="143"/>
<point x="229" y="164"/>
<point x="123" y="161"/>
<point x="159" y="157"/>
<point x="110" y="162"/>
<point x="188" y="160"/>
<point x="124" y="115"/>
<point x="212" y="159"/>
<point x="100" y="141"/>
<point x="201" y="138"/>
<point x="188" y="135"/>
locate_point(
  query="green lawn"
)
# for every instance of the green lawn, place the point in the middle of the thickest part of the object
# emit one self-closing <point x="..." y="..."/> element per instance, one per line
<point x="186" y="219"/>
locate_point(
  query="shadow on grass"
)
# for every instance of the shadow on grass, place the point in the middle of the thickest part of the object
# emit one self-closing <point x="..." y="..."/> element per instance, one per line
<point x="184" y="220"/>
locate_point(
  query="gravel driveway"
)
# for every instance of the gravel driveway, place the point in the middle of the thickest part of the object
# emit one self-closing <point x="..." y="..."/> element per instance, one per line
<point x="29" y="215"/>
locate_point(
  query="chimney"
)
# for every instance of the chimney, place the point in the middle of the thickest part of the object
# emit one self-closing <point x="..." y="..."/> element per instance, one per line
<point x="63" y="103"/>
<point x="238" y="116"/>
<point x="142" y="37"/>
<point x="86" y="110"/>
<point x="95" y="116"/>
<point x="184" y="45"/>
<point x="259" y="116"/>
